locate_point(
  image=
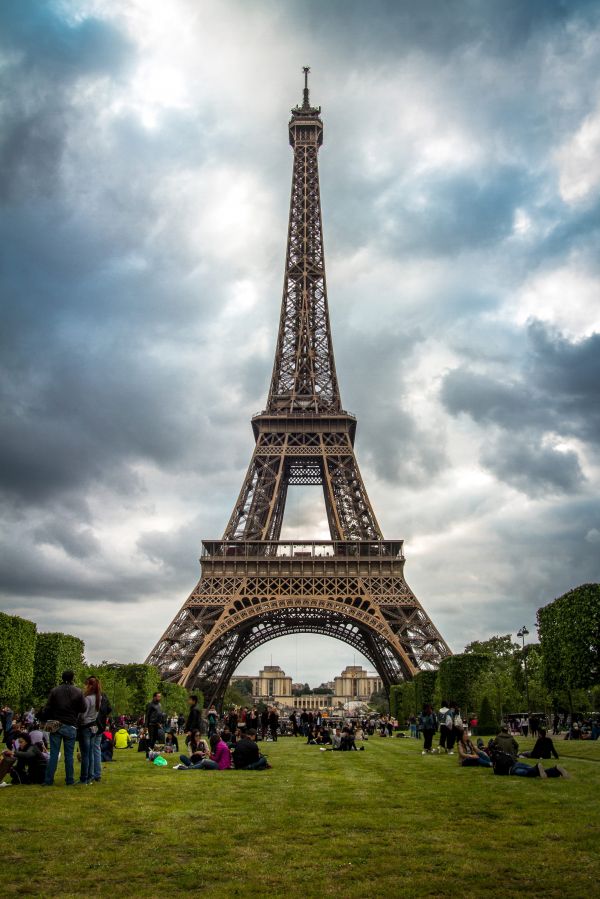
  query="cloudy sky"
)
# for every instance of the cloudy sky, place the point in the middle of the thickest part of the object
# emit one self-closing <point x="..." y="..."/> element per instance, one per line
<point x="144" y="180"/>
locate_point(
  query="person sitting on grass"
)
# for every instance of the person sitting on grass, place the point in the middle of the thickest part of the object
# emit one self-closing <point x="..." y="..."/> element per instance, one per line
<point x="122" y="740"/>
<point x="246" y="755"/>
<point x="469" y="756"/>
<point x="171" y="741"/>
<point x="336" y="739"/>
<point x="323" y="737"/>
<point x="198" y="750"/>
<point x="543" y="749"/>
<point x="219" y="759"/>
<point x="505" y="742"/>
<point x="142" y="744"/>
<point x="26" y="763"/>
<point x="503" y="750"/>
<point x="311" y="736"/>
<point x="347" y="743"/>
<point x="107" y="745"/>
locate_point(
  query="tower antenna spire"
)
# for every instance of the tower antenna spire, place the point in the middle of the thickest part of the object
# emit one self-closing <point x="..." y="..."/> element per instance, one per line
<point x="305" y="103"/>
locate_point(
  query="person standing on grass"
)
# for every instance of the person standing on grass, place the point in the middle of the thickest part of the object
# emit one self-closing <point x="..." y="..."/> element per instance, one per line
<point x="194" y="718"/>
<point x="442" y="715"/>
<point x="212" y="719"/>
<point x="65" y="704"/>
<point x="101" y="724"/>
<point x="273" y="723"/>
<point x="458" y="725"/>
<point x="154" y="719"/>
<point x="428" y="723"/>
<point x="88" y="729"/>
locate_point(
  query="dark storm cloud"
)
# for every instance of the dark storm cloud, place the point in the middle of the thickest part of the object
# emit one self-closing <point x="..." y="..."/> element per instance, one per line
<point x="556" y="394"/>
<point x="556" y="391"/>
<point x="454" y="213"/>
<point x="143" y="238"/>
<point x="535" y="470"/>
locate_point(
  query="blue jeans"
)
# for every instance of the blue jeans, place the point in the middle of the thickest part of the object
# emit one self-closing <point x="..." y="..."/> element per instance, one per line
<point x="86" y="748"/>
<point x="258" y="765"/>
<point x="96" y="756"/>
<point x="484" y="761"/>
<point x="522" y="769"/>
<point x="66" y="734"/>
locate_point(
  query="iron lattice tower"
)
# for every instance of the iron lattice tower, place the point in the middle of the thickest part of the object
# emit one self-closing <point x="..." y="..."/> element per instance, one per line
<point x="253" y="586"/>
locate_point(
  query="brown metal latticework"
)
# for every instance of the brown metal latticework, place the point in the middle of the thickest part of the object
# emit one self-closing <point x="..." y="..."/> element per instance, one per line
<point x="253" y="586"/>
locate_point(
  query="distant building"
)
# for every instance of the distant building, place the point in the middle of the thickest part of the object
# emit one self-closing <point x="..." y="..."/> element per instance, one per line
<point x="354" y="683"/>
<point x="272" y="685"/>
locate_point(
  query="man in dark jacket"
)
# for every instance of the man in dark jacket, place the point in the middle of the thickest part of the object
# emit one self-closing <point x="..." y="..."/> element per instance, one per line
<point x="543" y="749"/>
<point x="64" y="705"/>
<point x="154" y="719"/>
<point x="194" y="718"/>
<point x="274" y="723"/>
<point x="246" y="755"/>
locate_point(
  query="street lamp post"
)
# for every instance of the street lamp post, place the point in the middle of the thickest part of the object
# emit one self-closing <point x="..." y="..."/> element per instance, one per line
<point x="522" y="633"/>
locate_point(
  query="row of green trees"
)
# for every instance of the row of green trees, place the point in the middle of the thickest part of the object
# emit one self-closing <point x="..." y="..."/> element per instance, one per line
<point x="31" y="663"/>
<point x="497" y="676"/>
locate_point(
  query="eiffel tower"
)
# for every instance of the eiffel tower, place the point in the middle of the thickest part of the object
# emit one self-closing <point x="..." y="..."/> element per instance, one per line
<point x="253" y="586"/>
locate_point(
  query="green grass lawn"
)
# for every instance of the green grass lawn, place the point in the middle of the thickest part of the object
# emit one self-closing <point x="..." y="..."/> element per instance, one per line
<point x="384" y="822"/>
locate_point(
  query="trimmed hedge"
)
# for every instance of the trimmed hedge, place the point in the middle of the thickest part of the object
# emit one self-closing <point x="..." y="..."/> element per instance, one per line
<point x="55" y="653"/>
<point x="143" y="681"/>
<point x="424" y="683"/>
<point x="402" y="700"/>
<point x="459" y="675"/>
<point x="569" y="630"/>
<point x="487" y="724"/>
<point x="17" y="652"/>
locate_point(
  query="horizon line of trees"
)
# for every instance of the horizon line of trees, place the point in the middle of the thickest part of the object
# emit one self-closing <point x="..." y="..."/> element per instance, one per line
<point x="496" y="677"/>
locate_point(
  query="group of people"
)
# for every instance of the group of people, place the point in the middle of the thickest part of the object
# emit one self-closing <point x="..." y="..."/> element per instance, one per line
<point x="223" y="751"/>
<point x="71" y="716"/>
<point x="447" y="720"/>
<point x="502" y="754"/>
<point x="338" y="739"/>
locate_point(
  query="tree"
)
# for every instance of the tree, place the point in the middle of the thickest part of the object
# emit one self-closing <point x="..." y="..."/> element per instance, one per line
<point x="302" y="690"/>
<point x="113" y="683"/>
<point x="487" y="722"/>
<point x="174" y="698"/>
<point x="380" y="702"/>
<point x="234" y="697"/>
<point x="55" y="653"/>
<point x="569" y="630"/>
<point x="460" y="676"/>
<point x="497" y="682"/>
<point x="242" y="685"/>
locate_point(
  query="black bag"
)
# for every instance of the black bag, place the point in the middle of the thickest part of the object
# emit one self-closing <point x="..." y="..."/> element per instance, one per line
<point x="502" y="762"/>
